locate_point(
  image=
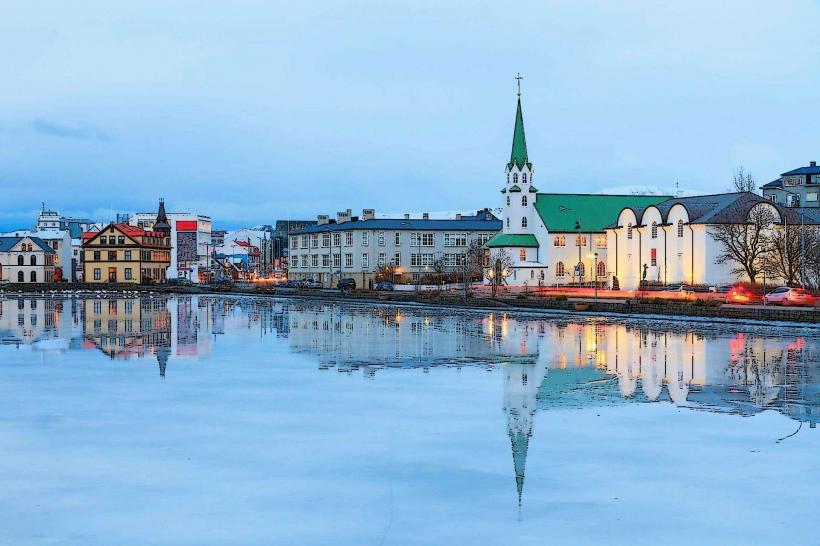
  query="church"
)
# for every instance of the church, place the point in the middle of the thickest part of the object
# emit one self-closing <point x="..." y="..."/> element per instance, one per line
<point x="554" y="239"/>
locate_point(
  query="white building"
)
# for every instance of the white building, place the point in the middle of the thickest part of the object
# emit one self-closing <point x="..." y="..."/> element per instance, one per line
<point x="190" y="241"/>
<point x="553" y="238"/>
<point x="670" y="242"/>
<point x="25" y="260"/>
<point x="350" y="247"/>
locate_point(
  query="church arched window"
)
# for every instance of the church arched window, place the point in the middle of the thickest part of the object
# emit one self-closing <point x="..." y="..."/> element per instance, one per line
<point x="654" y="230"/>
<point x="33" y="259"/>
<point x="523" y="200"/>
<point x="508" y="200"/>
<point x="523" y="222"/>
<point x="33" y="276"/>
<point x="508" y="222"/>
<point x="20" y="260"/>
<point x="524" y="178"/>
<point x="680" y="228"/>
<point x="560" y="270"/>
<point x="515" y="178"/>
<point x="522" y="255"/>
<point x="601" y="269"/>
<point x="629" y="231"/>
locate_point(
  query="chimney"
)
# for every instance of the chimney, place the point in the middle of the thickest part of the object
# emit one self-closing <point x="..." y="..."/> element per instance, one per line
<point x="343" y="216"/>
<point x="368" y="214"/>
<point x="813" y="164"/>
<point x="406" y="216"/>
<point x="425" y="216"/>
<point x="323" y="219"/>
<point x="458" y="216"/>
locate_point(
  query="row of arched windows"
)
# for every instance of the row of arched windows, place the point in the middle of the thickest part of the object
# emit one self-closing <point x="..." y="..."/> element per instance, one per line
<point x="654" y="232"/>
<point x="21" y="277"/>
<point x="21" y="260"/>
<point x="515" y="178"/>
<point x="523" y="200"/>
<point x="561" y="270"/>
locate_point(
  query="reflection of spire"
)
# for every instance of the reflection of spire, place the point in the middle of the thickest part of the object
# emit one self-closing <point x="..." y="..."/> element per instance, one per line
<point x="520" y="442"/>
<point x="162" y="358"/>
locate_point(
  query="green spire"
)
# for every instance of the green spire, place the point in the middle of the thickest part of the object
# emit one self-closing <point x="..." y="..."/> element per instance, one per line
<point x="519" y="146"/>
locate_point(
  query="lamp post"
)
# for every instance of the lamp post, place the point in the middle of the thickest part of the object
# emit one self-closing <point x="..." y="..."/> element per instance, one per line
<point x="595" y="273"/>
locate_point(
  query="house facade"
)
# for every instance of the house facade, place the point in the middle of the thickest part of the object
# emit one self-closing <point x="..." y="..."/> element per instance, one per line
<point x="671" y="242"/>
<point x="123" y="253"/>
<point x="349" y="247"/>
<point x="796" y="188"/>
<point x="26" y="260"/>
<point x="191" y="241"/>
<point x="553" y="238"/>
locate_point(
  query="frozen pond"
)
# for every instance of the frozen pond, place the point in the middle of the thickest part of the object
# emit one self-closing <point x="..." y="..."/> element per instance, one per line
<point x="210" y="420"/>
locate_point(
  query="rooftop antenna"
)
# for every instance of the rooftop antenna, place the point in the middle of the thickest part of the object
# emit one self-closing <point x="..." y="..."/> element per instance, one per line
<point x="677" y="188"/>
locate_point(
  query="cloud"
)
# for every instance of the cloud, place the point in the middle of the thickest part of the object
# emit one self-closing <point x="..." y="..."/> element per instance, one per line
<point x="51" y="128"/>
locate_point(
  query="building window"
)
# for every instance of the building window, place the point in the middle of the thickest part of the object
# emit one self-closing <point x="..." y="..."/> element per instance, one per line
<point x="397" y="238"/>
<point x="127" y="255"/>
<point x="629" y="230"/>
<point x="415" y="259"/>
<point x="580" y="270"/>
<point x="97" y="273"/>
<point x="560" y="270"/>
<point x="365" y="239"/>
<point x="772" y="198"/>
<point x="337" y="261"/>
<point x="515" y="178"/>
<point x="811" y="197"/>
<point x="522" y="255"/>
<point x="348" y="238"/>
<point x="128" y="274"/>
<point x="325" y="240"/>
<point x="303" y="243"/>
<point x="33" y="259"/>
<point x="680" y="228"/>
<point x="314" y="260"/>
<point x="524" y="178"/>
<point x="366" y="260"/>
<point x="508" y="200"/>
<point x="314" y="240"/>
<point x="508" y="222"/>
<point x="523" y="222"/>
<point x="559" y="240"/>
<point x="600" y="241"/>
<point x="601" y="269"/>
<point x="455" y="239"/>
<point x="397" y="259"/>
<point x="293" y="242"/>
<point x="426" y="259"/>
<point x="524" y="199"/>
<point x="20" y="278"/>
<point x="337" y="239"/>
<point x="580" y="240"/>
<point x="381" y="238"/>
<point x="654" y="230"/>
<point x="21" y="260"/>
<point x="121" y="240"/>
<point x="112" y="256"/>
<point x="349" y="260"/>
<point x="422" y="239"/>
<point x="653" y="254"/>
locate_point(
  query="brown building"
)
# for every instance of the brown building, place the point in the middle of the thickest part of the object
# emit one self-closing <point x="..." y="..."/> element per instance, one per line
<point x="128" y="254"/>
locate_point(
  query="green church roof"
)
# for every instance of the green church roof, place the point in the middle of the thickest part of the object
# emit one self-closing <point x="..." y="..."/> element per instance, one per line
<point x="518" y="156"/>
<point x="515" y="188"/>
<point x="524" y="240"/>
<point x="560" y="211"/>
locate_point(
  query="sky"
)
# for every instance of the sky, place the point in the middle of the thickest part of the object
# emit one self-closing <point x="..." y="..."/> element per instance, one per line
<point x="253" y="111"/>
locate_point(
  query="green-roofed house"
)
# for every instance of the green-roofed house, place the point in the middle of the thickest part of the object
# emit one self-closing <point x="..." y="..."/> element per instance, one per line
<point x="553" y="238"/>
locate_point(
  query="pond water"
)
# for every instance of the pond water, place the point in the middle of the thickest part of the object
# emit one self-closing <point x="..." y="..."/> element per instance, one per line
<point x="230" y="420"/>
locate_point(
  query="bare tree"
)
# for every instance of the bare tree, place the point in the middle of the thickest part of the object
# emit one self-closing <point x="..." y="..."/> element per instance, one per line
<point x="471" y="264"/>
<point x="745" y="244"/>
<point x="500" y="269"/>
<point x="743" y="181"/>
<point x="439" y="268"/>
<point x="783" y="258"/>
<point x="811" y="260"/>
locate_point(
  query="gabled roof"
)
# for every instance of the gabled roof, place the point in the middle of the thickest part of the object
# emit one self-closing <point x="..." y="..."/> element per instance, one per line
<point x="811" y="169"/>
<point x="523" y="240"/>
<point x="594" y="212"/>
<point x="7" y="243"/>
<point x="515" y="188"/>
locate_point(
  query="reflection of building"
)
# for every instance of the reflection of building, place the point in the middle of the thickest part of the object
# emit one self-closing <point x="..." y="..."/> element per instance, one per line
<point x="126" y="327"/>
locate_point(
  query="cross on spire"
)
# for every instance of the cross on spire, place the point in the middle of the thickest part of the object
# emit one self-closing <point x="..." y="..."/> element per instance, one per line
<point x="518" y="79"/>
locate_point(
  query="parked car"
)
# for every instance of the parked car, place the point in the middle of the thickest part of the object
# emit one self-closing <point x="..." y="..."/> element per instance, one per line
<point x="291" y="283"/>
<point x="786" y="295"/>
<point x="346" y="284"/>
<point x="385" y="286"/>
<point x="312" y="283"/>
<point x="721" y="289"/>
<point x="678" y="288"/>
<point x="743" y="294"/>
